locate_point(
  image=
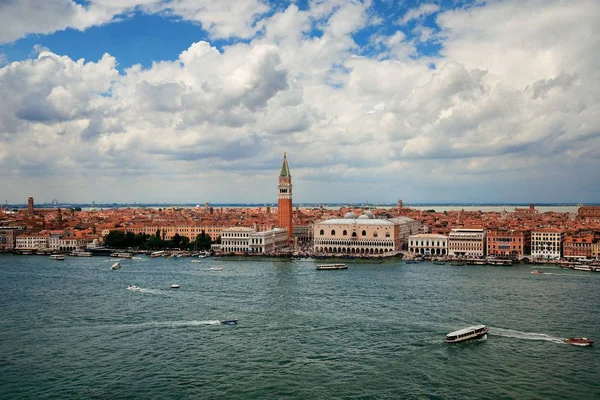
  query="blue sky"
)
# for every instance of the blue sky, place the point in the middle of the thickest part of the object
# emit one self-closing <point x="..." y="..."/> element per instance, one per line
<point x="431" y="101"/>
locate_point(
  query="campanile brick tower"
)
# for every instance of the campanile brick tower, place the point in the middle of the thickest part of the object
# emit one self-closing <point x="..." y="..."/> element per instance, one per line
<point x="284" y="201"/>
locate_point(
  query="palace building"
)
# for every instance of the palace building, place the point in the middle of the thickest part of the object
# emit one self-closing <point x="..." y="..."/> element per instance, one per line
<point x="284" y="200"/>
<point x="363" y="234"/>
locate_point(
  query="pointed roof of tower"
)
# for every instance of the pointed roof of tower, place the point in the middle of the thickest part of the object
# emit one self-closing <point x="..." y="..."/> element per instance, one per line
<point x="285" y="170"/>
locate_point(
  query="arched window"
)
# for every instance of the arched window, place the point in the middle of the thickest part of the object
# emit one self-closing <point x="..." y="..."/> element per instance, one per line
<point x="322" y="232"/>
<point x="332" y="232"/>
<point x="345" y="233"/>
<point x="353" y="234"/>
<point x="375" y="234"/>
<point x="387" y="234"/>
<point x="364" y="233"/>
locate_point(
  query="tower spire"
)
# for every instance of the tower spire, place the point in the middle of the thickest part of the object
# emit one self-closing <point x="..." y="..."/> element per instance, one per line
<point x="285" y="169"/>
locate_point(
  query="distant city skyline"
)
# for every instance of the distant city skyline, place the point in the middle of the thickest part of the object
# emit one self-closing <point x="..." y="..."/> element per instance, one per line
<point x="186" y="102"/>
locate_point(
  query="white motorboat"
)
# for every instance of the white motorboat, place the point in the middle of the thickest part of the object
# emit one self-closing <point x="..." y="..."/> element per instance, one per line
<point x="196" y="261"/>
<point x="133" y="287"/>
<point x="175" y="286"/>
<point x="58" y="257"/>
<point x="470" y="333"/>
<point x="116" y="266"/>
<point x="215" y="269"/>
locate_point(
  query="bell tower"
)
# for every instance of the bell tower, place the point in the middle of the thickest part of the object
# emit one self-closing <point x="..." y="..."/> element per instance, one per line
<point x="284" y="200"/>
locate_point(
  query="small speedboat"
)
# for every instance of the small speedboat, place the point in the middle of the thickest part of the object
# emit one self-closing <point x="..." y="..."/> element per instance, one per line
<point x="215" y="269"/>
<point x="579" y="341"/>
<point x="196" y="261"/>
<point x="537" y="272"/>
<point x="228" y="321"/>
<point x="116" y="266"/>
<point x="133" y="287"/>
<point x="175" y="286"/>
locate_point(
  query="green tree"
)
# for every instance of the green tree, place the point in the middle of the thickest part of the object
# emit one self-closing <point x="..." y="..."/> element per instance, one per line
<point x="116" y="239"/>
<point x="202" y="241"/>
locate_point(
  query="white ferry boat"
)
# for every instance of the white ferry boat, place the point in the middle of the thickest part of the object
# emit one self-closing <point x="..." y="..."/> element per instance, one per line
<point x="122" y="255"/>
<point x="325" y="267"/>
<point x="78" y="253"/>
<point x="470" y="333"/>
<point x="160" y="253"/>
<point x="59" y="257"/>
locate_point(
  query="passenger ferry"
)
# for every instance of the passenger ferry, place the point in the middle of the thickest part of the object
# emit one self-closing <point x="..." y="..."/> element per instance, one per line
<point x="325" y="267"/>
<point x="470" y="333"/>
<point x="57" y="257"/>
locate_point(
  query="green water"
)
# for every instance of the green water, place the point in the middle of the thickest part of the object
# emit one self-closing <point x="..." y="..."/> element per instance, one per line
<point x="71" y="330"/>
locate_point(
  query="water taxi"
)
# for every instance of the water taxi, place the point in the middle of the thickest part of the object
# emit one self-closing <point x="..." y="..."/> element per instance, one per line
<point x="470" y="333"/>
<point x="537" y="272"/>
<point x="116" y="266"/>
<point x="175" y="286"/>
<point x="228" y="321"/>
<point x="325" y="267"/>
<point x="57" y="257"/>
<point x="122" y="255"/>
<point x="579" y="341"/>
<point x="133" y="287"/>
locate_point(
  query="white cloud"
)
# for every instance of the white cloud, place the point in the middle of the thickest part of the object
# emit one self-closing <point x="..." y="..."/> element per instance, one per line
<point x="515" y="99"/>
<point x="417" y="13"/>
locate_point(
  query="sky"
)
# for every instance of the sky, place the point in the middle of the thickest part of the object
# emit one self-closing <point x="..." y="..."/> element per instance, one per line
<point x="193" y="101"/>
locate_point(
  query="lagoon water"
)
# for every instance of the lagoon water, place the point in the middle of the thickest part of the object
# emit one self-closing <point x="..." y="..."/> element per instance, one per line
<point x="71" y="330"/>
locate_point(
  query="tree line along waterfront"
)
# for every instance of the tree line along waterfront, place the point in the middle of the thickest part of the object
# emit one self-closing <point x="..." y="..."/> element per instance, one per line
<point x="142" y="241"/>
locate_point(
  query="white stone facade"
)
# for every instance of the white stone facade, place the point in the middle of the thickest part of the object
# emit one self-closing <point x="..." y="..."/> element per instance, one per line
<point x="547" y="244"/>
<point x="466" y="242"/>
<point x="31" y="242"/>
<point x="248" y="240"/>
<point x="363" y="235"/>
<point x="268" y="241"/>
<point x="428" y="244"/>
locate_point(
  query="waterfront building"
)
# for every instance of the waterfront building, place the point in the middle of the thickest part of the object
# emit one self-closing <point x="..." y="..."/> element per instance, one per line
<point x="167" y="232"/>
<point x="578" y="246"/>
<point x="31" y="242"/>
<point x="268" y="241"/>
<point x="428" y="244"/>
<point x="8" y="237"/>
<point x="546" y="243"/>
<point x="248" y="240"/>
<point x="58" y="242"/>
<point x="284" y="199"/>
<point x="508" y="243"/>
<point x="596" y="250"/>
<point x="466" y="242"/>
<point x="363" y="234"/>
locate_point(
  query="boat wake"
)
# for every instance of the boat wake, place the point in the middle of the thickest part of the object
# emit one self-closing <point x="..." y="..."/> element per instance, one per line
<point x="170" y="324"/>
<point x="510" y="333"/>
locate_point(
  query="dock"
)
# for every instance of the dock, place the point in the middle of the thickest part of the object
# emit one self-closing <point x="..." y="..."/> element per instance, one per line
<point x="325" y="267"/>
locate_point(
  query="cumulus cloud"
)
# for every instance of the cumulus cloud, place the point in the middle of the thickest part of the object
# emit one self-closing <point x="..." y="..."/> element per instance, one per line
<point x="514" y="97"/>
<point x="417" y="13"/>
<point x="221" y="18"/>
